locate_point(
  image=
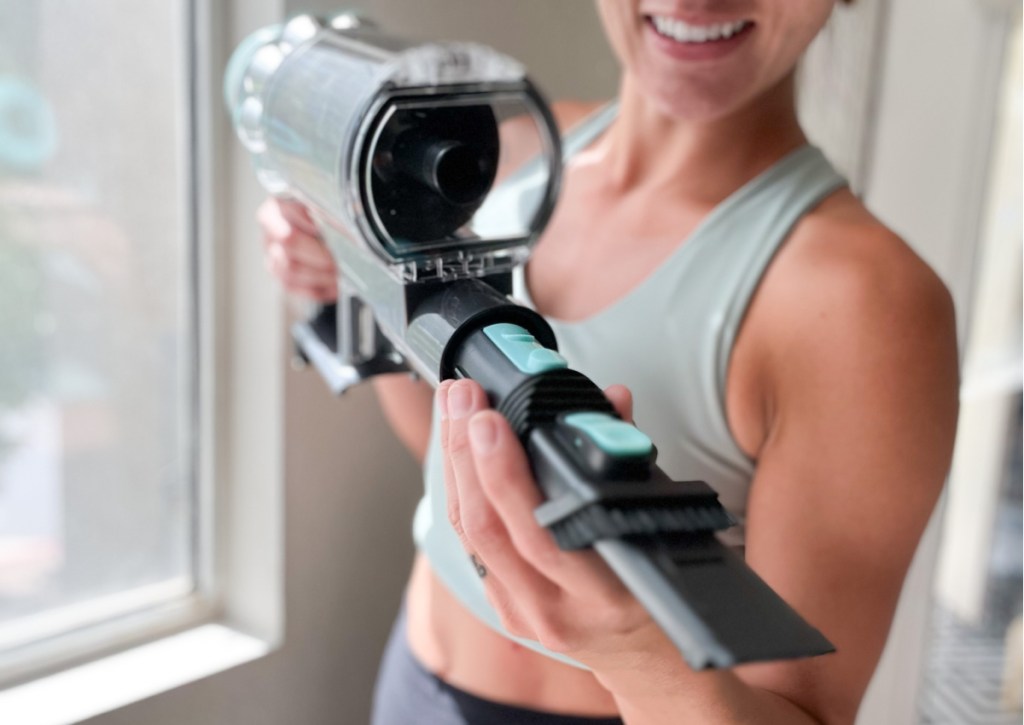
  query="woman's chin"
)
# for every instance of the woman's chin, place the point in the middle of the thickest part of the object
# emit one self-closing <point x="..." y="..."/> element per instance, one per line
<point x="700" y="99"/>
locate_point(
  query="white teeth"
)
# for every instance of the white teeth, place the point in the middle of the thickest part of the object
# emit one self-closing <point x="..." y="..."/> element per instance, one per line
<point x="685" y="33"/>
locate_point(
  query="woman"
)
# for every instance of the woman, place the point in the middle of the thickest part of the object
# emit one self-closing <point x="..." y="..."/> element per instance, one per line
<point x="781" y="343"/>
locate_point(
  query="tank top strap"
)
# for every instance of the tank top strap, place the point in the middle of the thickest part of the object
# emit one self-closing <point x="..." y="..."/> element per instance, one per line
<point x="585" y="131"/>
<point x="741" y="237"/>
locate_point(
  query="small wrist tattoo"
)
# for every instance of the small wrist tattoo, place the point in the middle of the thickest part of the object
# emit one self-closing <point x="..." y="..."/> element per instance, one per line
<point x="481" y="570"/>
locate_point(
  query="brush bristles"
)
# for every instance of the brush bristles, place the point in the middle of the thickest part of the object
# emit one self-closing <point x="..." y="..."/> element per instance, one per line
<point x="597" y="522"/>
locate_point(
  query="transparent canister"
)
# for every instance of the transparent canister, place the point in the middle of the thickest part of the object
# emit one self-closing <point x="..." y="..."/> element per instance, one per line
<point x="398" y="145"/>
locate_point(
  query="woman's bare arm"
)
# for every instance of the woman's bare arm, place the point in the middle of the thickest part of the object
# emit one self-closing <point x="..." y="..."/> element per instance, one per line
<point x="406" y="403"/>
<point x="851" y="344"/>
<point x="860" y="363"/>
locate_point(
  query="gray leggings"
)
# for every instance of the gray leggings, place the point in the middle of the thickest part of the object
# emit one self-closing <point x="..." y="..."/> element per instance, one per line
<point x="408" y="694"/>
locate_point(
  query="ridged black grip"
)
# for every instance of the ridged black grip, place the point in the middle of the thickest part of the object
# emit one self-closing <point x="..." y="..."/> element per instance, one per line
<point x="540" y="399"/>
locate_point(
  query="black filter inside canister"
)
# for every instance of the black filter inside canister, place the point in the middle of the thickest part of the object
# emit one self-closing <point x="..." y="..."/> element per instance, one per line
<point x="432" y="169"/>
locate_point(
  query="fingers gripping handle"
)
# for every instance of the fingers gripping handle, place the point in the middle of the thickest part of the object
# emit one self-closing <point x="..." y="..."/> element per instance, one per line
<point x="605" y="491"/>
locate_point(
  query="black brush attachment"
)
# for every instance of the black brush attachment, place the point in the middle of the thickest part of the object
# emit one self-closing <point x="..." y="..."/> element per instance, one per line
<point x="601" y="521"/>
<point x="586" y="503"/>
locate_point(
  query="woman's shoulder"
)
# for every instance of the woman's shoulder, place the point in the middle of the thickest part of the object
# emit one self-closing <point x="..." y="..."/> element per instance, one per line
<point x="846" y="296"/>
<point x="848" y="316"/>
<point x="845" y="255"/>
<point x="841" y="257"/>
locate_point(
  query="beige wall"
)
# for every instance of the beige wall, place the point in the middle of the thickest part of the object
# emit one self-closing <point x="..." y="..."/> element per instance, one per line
<point x="560" y="41"/>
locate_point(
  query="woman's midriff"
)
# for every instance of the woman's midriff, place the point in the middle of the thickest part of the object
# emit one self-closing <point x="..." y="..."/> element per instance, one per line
<point x="450" y="642"/>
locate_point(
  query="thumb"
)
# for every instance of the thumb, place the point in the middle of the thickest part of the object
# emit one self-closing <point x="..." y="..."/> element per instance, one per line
<point x="622" y="400"/>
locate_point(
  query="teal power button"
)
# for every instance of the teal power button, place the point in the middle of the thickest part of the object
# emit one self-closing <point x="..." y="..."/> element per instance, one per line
<point x="523" y="350"/>
<point x="614" y="437"/>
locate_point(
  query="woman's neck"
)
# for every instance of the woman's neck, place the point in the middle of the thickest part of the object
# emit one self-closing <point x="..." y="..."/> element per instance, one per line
<point x="704" y="161"/>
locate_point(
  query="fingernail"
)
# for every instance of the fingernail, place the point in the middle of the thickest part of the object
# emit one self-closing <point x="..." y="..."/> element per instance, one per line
<point x="442" y="398"/>
<point x="459" y="400"/>
<point x="483" y="434"/>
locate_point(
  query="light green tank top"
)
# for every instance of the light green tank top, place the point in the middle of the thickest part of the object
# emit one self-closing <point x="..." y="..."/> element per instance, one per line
<point x="669" y="340"/>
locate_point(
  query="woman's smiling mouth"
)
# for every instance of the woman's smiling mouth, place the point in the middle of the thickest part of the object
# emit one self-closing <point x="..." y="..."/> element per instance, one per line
<point x="693" y="41"/>
<point x="682" y="32"/>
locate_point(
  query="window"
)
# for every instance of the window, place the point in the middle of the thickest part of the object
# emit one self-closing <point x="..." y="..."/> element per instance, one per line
<point x="97" y="333"/>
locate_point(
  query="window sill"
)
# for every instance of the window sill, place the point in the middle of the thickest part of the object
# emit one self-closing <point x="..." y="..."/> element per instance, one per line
<point x="118" y="680"/>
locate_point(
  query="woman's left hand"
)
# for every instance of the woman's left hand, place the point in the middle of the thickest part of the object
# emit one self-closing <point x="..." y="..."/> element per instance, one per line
<point x="569" y="601"/>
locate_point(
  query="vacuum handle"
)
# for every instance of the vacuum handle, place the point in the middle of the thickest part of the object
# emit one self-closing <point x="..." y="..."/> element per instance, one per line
<point x="604" y="490"/>
<point x="345" y="345"/>
<point x="586" y="459"/>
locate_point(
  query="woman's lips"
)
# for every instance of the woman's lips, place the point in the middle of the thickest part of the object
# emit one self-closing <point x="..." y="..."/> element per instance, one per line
<point x="687" y="41"/>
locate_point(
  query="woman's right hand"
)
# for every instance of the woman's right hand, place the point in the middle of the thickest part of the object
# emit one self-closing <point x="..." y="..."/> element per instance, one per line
<point x="294" y="252"/>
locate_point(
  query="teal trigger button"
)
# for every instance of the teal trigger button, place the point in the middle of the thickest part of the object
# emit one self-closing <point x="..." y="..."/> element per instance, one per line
<point x="523" y="350"/>
<point x="613" y="436"/>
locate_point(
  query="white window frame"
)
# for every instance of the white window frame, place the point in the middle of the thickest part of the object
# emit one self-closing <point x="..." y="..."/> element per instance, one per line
<point x="236" y="612"/>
